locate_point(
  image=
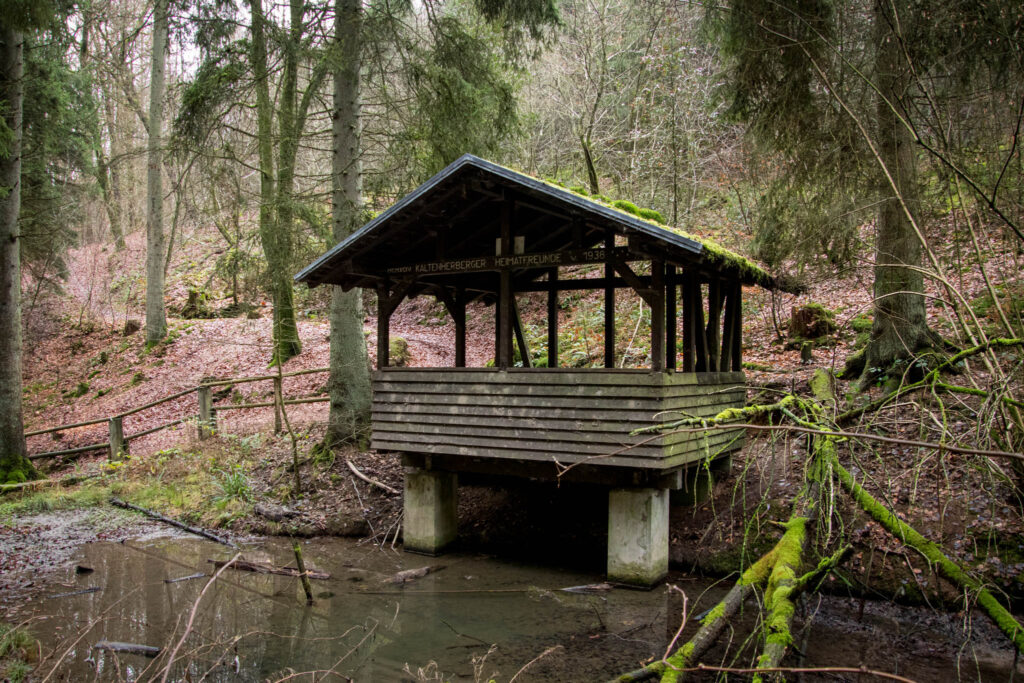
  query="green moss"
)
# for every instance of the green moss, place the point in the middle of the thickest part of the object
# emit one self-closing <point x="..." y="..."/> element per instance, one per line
<point x="861" y="324"/>
<point x="398" y="352"/>
<point x="652" y="215"/>
<point x="80" y="390"/>
<point x="822" y="384"/>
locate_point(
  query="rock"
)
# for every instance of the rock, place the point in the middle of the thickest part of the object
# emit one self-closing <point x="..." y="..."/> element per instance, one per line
<point x="131" y="326"/>
<point x="276" y="513"/>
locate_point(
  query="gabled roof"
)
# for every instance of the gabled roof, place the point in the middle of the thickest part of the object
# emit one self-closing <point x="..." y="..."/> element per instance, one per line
<point x="456" y="214"/>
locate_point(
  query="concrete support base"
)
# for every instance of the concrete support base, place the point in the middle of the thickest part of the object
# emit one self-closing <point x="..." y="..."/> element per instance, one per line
<point x="430" y="510"/>
<point x="638" y="536"/>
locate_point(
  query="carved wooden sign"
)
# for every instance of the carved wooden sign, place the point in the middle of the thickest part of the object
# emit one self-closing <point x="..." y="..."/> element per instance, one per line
<point x="515" y="261"/>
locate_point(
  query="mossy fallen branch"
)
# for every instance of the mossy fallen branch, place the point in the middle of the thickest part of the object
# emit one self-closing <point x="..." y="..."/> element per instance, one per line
<point x="780" y="598"/>
<point x="711" y="627"/>
<point x="933" y="553"/>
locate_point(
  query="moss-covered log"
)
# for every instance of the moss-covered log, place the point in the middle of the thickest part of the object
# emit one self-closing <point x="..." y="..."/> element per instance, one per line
<point x="933" y="553"/>
<point x="711" y="628"/>
<point x="780" y="598"/>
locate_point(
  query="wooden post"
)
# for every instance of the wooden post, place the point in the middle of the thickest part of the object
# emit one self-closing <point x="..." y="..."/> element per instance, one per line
<point x="207" y="417"/>
<point x="517" y="327"/>
<point x="278" y="406"/>
<point x="670" y="317"/>
<point x="609" y="304"/>
<point x="737" y="321"/>
<point x="689" y="324"/>
<point x="729" y="328"/>
<point x="714" y="326"/>
<point x="118" y="445"/>
<point x="459" y="314"/>
<point x="383" y="326"/>
<point x="657" y="302"/>
<point x="503" y="359"/>
<point x="553" y="320"/>
<point x="701" y="364"/>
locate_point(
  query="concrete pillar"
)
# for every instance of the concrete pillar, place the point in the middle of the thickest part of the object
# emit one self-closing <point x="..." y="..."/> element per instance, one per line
<point x="638" y="536"/>
<point x="430" y="510"/>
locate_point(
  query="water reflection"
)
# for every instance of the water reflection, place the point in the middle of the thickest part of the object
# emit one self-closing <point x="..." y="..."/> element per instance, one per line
<point x="257" y="627"/>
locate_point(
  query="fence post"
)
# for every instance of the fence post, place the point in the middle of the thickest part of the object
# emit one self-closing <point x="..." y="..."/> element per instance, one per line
<point x="118" y="444"/>
<point x="278" y="405"/>
<point x="207" y="415"/>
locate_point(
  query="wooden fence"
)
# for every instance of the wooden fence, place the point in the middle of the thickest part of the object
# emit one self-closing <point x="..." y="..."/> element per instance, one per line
<point x="206" y="417"/>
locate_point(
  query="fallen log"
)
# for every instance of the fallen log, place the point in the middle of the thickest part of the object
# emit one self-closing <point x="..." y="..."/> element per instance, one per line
<point x="84" y="591"/>
<point x="413" y="574"/>
<point x="127" y="648"/>
<point x="265" y="568"/>
<point x="117" y="502"/>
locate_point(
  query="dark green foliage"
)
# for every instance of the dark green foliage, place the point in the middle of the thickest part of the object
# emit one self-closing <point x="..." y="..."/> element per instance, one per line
<point x="814" y="201"/>
<point x="59" y="123"/>
<point x="449" y="86"/>
<point x="519" y="17"/>
<point x="219" y="83"/>
<point x="464" y="95"/>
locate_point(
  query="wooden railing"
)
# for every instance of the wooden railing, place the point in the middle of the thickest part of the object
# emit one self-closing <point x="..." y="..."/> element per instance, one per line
<point x="206" y="418"/>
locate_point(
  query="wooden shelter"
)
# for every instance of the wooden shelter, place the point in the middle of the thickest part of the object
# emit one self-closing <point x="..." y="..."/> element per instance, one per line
<point x="477" y="231"/>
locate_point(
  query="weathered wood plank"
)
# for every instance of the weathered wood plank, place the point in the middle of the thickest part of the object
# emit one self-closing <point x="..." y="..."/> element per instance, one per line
<point x="546" y="454"/>
<point x="581" y="391"/>
<point x="617" y="416"/>
<point x="521" y="432"/>
<point x="545" y="375"/>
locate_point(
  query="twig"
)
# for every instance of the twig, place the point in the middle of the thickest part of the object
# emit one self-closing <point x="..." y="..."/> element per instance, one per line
<point x="822" y="669"/>
<point x="192" y="617"/>
<point x="857" y="435"/>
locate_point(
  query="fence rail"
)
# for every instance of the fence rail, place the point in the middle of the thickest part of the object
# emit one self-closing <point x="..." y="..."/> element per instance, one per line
<point x="206" y="418"/>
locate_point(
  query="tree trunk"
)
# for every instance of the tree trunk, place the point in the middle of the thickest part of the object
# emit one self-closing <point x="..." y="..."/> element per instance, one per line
<point x="156" y="321"/>
<point x="14" y="466"/>
<point x="350" y="379"/>
<point x="276" y="214"/>
<point x="900" y="327"/>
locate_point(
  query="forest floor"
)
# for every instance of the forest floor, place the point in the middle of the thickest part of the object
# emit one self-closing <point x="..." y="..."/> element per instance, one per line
<point x="79" y="366"/>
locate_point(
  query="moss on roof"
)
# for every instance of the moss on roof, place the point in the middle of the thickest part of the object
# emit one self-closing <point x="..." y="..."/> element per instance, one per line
<point x="714" y="254"/>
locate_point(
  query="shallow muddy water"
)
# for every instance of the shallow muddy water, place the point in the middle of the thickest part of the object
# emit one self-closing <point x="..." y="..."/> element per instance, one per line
<point x="257" y="627"/>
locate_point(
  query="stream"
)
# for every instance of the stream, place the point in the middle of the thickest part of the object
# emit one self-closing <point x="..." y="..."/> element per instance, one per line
<point x="477" y="618"/>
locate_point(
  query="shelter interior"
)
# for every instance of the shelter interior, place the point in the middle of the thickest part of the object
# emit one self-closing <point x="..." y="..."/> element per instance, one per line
<point x="481" y="232"/>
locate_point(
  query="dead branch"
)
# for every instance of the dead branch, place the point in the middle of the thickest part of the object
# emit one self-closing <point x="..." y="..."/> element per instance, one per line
<point x="117" y="502"/>
<point x="264" y="568"/>
<point x="368" y="480"/>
